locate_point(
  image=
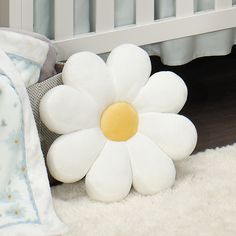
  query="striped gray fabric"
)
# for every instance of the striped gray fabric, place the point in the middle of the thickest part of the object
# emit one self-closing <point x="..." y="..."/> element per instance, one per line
<point x="36" y="92"/>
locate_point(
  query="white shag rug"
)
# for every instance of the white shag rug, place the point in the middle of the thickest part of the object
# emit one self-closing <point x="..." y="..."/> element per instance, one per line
<point x="202" y="203"/>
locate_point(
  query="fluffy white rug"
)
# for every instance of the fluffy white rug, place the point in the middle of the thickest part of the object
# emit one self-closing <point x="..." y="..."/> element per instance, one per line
<point x="202" y="202"/>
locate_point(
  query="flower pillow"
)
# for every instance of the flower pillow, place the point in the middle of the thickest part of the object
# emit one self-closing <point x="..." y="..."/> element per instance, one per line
<point x="119" y="127"/>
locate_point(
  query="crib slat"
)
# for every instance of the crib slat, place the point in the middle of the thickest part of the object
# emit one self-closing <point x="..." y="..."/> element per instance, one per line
<point x="184" y="8"/>
<point x="21" y="14"/>
<point x="144" y="11"/>
<point x="104" y="15"/>
<point x="222" y="4"/>
<point x="64" y="19"/>
<point x="27" y="15"/>
<point x="4" y="13"/>
<point x="15" y="14"/>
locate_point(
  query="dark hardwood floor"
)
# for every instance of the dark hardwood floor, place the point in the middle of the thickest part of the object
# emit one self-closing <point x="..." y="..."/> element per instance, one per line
<point x="211" y="104"/>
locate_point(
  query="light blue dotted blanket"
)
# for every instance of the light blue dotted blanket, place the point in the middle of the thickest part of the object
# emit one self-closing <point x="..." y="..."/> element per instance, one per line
<point x="25" y="200"/>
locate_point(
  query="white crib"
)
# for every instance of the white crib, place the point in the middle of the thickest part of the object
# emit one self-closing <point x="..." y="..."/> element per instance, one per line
<point x="20" y="14"/>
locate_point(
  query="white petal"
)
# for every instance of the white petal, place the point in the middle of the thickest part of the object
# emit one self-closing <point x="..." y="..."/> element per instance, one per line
<point x="174" y="134"/>
<point x="153" y="170"/>
<point x="88" y="71"/>
<point x="131" y="67"/>
<point x="164" y="92"/>
<point x="64" y="109"/>
<point x="110" y="178"/>
<point x="71" y="155"/>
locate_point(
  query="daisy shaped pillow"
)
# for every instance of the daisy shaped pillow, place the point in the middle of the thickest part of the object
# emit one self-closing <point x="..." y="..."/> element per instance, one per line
<point x="119" y="127"/>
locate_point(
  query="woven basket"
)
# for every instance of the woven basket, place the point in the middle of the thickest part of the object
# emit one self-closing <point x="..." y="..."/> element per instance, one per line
<point x="36" y="92"/>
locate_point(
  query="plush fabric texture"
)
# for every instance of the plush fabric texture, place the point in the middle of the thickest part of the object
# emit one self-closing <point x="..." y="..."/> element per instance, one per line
<point x="137" y="147"/>
<point x="202" y="202"/>
<point x="48" y="67"/>
<point x="25" y="198"/>
<point x="119" y="122"/>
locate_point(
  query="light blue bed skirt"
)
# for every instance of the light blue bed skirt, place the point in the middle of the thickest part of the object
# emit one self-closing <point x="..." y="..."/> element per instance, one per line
<point x="174" y="52"/>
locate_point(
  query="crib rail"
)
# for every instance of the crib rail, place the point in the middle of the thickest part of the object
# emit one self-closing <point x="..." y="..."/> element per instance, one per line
<point x="146" y="30"/>
<point x="106" y="36"/>
<point x="17" y="14"/>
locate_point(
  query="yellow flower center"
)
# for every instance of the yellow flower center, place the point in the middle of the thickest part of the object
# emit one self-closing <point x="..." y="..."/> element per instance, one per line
<point x="119" y="122"/>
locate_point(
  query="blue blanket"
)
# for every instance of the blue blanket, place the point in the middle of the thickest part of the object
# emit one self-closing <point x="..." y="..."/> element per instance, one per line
<point x="25" y="200"/>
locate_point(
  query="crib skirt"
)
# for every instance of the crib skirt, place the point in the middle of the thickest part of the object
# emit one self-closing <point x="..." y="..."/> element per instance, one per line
<point x="173" y="52"/>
